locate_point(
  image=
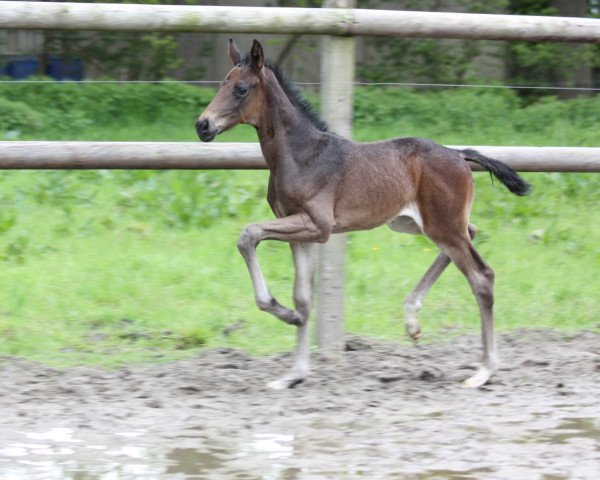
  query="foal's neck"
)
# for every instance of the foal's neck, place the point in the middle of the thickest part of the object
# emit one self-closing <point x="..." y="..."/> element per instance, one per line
<point x="285" y="134"/>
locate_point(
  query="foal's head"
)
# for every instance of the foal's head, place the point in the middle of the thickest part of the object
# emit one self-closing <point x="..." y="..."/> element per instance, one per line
<point x="240" y="95"/>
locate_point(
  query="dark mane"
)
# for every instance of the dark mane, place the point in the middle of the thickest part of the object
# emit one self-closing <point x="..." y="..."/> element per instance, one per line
<point x="294" y="94"/>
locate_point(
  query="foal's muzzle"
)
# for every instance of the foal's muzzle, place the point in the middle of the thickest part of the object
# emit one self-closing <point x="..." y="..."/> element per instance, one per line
<point x="205" y="130"/>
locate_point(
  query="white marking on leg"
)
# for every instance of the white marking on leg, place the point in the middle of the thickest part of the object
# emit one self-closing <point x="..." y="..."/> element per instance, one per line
<point x="480" y="378"/>
<point x="301" y="366"/>
<point x="304" y="262"/>
<point x="414" y="300"/>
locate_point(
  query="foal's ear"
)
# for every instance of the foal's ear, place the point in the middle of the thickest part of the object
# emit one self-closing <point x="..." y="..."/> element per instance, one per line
<point x="257" y="58"/>
<point x="234" y="52"/>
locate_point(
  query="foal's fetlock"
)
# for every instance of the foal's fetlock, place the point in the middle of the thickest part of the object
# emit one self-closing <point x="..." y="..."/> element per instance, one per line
<point x="411" y="325"/>
<point x="267" y="304"/>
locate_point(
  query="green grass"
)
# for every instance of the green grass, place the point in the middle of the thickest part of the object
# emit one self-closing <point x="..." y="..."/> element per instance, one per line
<point x="118" y="267"/>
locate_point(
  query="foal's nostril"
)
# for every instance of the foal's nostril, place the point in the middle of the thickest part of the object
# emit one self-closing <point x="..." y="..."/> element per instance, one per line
<point x="201" y="126"/>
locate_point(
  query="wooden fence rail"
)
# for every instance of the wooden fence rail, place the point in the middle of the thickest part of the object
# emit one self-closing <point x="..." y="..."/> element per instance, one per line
<point x="244" y="156"/>
<point x="316" y="21"/>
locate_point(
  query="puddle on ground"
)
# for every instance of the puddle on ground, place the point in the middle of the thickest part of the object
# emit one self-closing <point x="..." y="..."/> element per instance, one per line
<point x="571" y="428"/>
<point x="321" y="449"/>
<point x="61" y="453"/>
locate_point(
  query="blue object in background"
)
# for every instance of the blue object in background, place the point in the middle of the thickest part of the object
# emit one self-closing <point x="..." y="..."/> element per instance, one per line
<point x="61" y="69"/>
<point x="57" y="68"/>
<point x="23" y="67"/>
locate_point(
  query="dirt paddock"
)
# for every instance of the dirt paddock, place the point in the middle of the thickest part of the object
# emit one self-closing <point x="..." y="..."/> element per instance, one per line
<point x="380" y="410"/>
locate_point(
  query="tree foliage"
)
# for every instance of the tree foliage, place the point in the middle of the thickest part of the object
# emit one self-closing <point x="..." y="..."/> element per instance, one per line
<point x="426" y="60"/>
<point x="127" y="55"/>
<point x="453" y="61"/>
<point x="558" y="64"/>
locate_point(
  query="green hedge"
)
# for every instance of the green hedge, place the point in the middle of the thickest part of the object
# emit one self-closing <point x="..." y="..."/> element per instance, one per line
<point x="70" y="108"/>
<point x="16" y="116"/>
<point x="481" y="116"/>
<point x="75" y="106"/>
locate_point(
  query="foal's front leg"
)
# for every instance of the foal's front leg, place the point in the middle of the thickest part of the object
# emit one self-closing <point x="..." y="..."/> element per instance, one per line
<point x="301" y="230"/>
<point x="304" y="262"/>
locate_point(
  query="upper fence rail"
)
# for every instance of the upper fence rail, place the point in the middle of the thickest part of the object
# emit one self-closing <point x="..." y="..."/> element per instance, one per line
<point x="313" y="21"/>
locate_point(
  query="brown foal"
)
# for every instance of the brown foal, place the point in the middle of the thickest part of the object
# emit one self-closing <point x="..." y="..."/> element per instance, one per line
<point x="321" y="184"/>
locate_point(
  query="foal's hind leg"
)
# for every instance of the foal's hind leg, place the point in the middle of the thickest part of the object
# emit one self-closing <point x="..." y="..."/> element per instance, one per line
<point x="414" y="300"/>
<point x="304" y="261"/>
<point x="481" y="278"/>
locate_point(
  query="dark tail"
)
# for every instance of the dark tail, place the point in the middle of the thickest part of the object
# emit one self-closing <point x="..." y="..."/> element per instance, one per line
<point x="503" y="172"/>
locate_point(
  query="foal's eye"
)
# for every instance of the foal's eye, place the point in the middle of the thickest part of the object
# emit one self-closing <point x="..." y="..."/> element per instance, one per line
<point x="242" y="90"/>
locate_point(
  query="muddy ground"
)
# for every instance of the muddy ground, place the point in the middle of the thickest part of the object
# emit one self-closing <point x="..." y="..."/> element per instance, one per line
<point x="378" y="411"/>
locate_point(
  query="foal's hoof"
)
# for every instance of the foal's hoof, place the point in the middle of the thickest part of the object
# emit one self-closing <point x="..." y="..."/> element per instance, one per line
<point x="284" y="383"/>
<point x="296" y="319"/>
<point x="415" y="337"/>
<point x="414" y="332"/>
<point x="480" y="378"/>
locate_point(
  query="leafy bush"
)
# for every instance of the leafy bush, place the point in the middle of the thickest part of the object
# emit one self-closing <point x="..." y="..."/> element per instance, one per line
<point x="449" y="107"/>
<point x="72" y="107"/>
<point x="18" y="116"/>
<point x="67" y="109"/>
<point x="187" y="199"/>
<point x="479" y="116"/>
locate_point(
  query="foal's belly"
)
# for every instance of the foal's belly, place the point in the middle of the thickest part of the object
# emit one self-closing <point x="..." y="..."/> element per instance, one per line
<point x="398" y="217"/>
